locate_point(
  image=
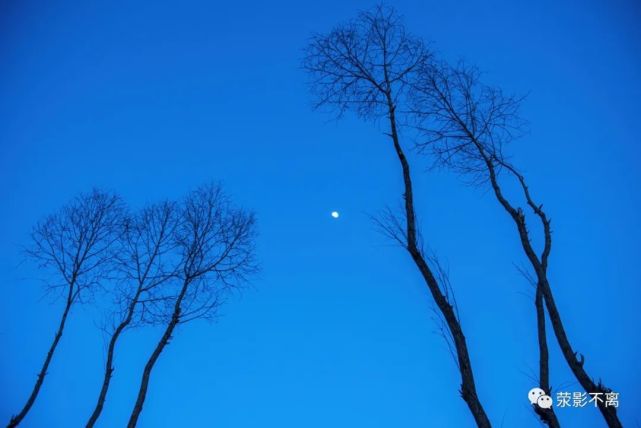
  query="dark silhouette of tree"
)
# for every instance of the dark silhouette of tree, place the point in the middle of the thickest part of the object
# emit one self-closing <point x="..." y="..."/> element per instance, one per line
<point x="215" y="242"/>
<point x="467" y="125"/>
<point x="77" y="245"/>
<point x="367" y="66"/>
<point x="146" y="261"/>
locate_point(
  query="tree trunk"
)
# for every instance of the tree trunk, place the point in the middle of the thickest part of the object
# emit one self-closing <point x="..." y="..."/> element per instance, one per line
<point x="15" y="420"/>
<point x="468" y="387"/>
<point x="164" y="340"/>
<point x="540" y="267"/>
<point x="142" y="393"/>
<point x="547" y="416"/>
<point x="109" y="369"/>
<point x="576" y="365"/>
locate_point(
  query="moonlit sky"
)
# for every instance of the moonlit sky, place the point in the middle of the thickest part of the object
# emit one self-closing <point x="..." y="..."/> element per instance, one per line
<point x="152" y="99"/>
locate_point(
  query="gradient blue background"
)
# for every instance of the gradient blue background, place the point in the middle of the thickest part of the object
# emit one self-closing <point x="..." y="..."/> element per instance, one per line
<point x="153" y="99"/>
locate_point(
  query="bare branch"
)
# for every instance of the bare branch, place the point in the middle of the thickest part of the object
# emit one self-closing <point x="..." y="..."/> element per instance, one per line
<point x="77" y="244"/>
<point x="466" y="126"/>
<point x="214" y="242"/>
<point x="368" y="66"/>
<point x="358" y="64"/>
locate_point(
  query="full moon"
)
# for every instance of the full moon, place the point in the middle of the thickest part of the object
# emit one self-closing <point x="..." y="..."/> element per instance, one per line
<point x="335" y="214"/>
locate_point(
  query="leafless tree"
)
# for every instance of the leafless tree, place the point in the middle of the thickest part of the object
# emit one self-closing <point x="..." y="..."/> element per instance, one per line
<point x="215" y="241"/>
<point x="76" y="244"/>
<point x="367" y="66"/>
<point x="146" y="261"/>
<point x="467" y="125"/>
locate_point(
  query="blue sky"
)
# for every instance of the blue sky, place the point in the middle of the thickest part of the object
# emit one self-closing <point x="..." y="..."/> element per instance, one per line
<point x="153" y="99"/>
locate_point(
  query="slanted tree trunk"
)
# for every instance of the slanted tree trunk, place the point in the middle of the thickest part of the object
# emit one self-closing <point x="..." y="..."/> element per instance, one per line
<point x="546" y="415"/>
<point x="162" y="343"/>
<point x="576" y="364"/>
<point x="540" y="268"/>
<point x="468" y="386"/>
<point x="15" y="420"/>
<point x="369" y="65"/>
<point x="109" y="368"/>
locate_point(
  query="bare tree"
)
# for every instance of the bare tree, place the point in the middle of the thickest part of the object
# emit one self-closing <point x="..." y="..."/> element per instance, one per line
<point x="467" y="125"/>
<point x="76" y="244"/>
<point x="146" y="261"/>
<point x="216" y="245"/>
<point x="367" y="66"/>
